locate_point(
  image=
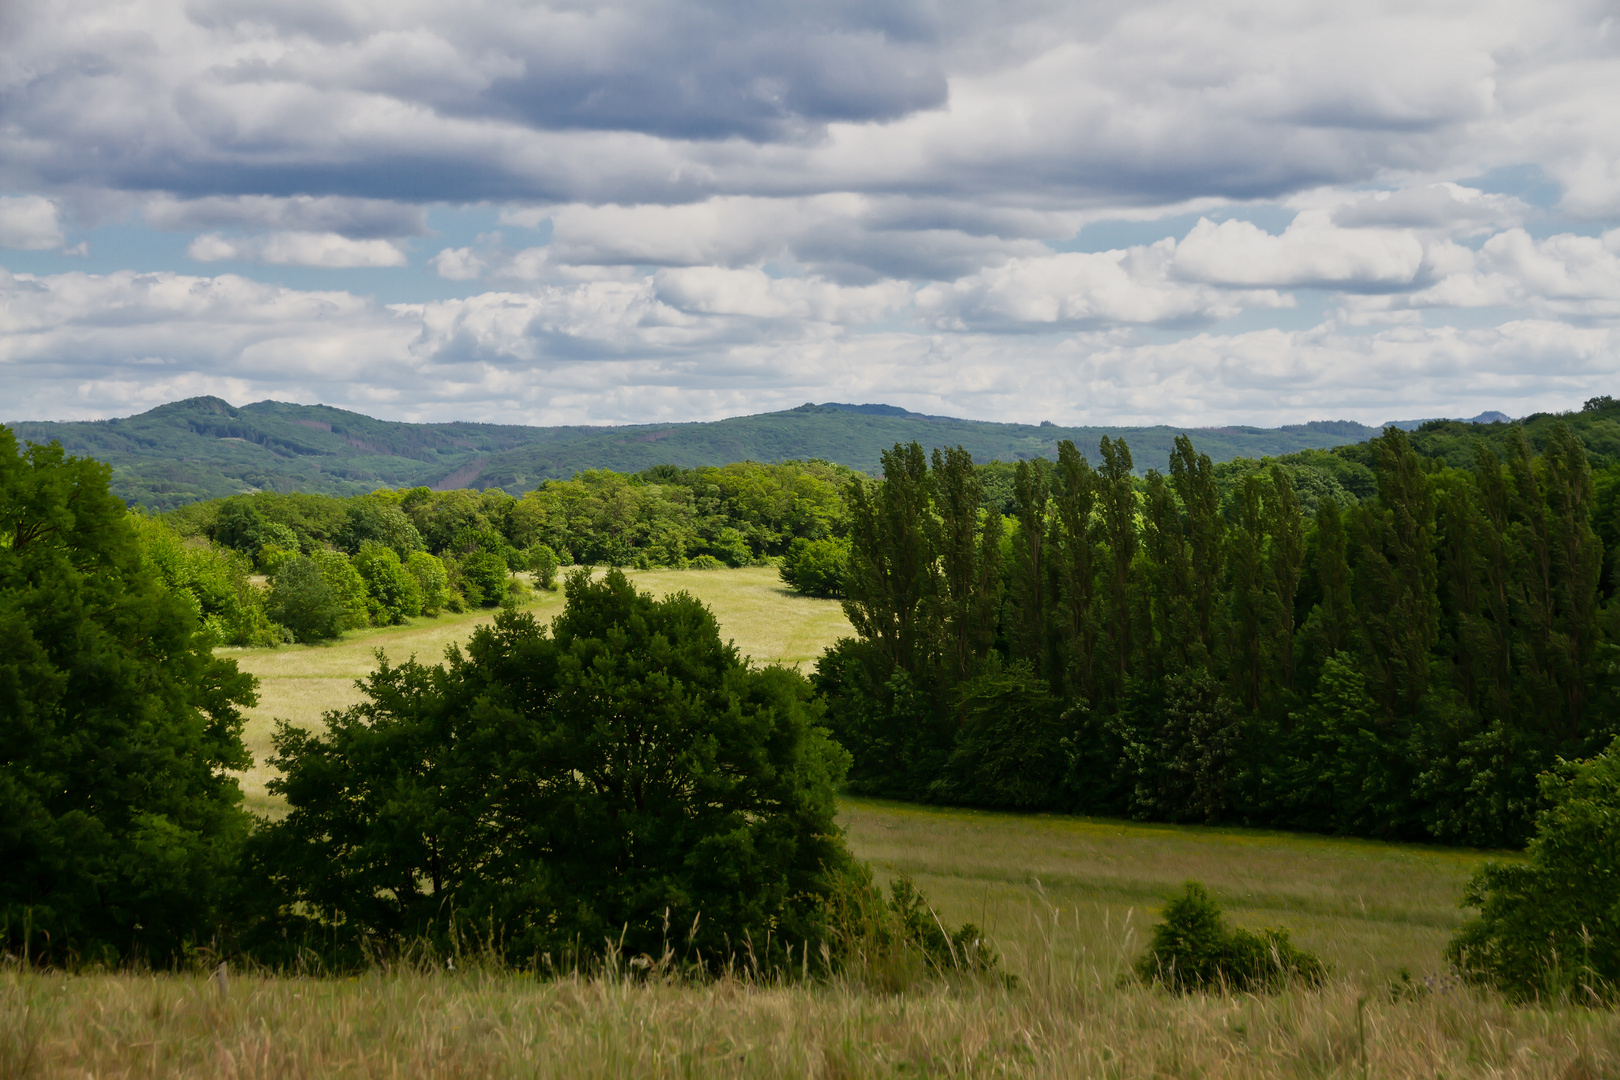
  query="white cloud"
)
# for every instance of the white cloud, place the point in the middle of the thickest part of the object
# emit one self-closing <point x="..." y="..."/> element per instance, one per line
<point x="297" y="249"/>
<point x="29" y="222"/>
<point x="1310" y="252"/>
<point x="457" y="264"/>
<point x="351" y="217"/>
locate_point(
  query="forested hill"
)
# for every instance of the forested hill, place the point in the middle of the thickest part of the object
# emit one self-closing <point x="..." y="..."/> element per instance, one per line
<point x="205" y="448"/>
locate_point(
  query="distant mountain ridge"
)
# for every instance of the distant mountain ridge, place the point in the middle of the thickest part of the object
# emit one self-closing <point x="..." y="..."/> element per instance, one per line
<point x="205" y="447"/>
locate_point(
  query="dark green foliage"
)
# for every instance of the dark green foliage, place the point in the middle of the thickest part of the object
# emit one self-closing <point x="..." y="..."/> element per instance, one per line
<point x="118" y="820"/>
<point x="375" y="521"/>
<point x="1403" y="664"/>
<point x="1008" y="750"/>
<point x="1549" y="927"/>
<point x="816" y="567"/>
<point x="1194" y="950"/>
<point x="302" y="601"/>
<point x="623" y="773"/>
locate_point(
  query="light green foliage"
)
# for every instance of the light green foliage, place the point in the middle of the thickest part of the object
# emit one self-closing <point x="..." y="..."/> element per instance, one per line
<point x="393" y="593"/>
<point x="376" y="520"/>
<point x="214" y="580"/>
<point x="1549" y="927"/>
<point x="118" y="818"/>
<point x="431" y="579"/>
<point x="542" y="562"/>
<point x="481" y="578"/>
<point x="816" y="567"/>
<point x="1193" y="949"/>
<point x="347" y="586"/>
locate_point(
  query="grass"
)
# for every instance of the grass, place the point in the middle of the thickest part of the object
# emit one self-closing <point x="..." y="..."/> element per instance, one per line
<point x="1068" y="900"/>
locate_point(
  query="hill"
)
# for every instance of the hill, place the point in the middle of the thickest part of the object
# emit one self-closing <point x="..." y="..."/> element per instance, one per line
<point x="204" y="448"/>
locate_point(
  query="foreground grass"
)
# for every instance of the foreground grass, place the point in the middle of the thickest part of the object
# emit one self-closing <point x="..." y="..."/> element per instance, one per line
<point x="455" y="1025"/>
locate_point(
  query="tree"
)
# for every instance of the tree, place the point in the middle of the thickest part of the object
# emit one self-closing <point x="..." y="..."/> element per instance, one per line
<point x="392" y="593"/>
<point x="1549" y="927"/>
<point x="118" y="819"/>
<point x="303" y="602"/>
<point x="622" y="778"/>
<point x="816" y="567"/>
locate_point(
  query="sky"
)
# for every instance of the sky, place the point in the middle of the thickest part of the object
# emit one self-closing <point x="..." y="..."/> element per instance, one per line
<point x="1190" y="212"/>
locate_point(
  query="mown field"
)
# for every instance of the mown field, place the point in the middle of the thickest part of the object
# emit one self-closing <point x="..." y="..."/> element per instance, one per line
<point x="1067" y="900"/>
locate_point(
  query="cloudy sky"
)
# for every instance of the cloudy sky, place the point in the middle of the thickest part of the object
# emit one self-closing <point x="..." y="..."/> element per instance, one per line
<point x="1181" y="211"/>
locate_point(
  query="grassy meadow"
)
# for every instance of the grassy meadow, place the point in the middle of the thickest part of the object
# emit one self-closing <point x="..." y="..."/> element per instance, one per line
<point x="1068" y="901"/>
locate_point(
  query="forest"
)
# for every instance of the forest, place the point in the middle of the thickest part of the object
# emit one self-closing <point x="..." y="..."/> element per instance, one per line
<point x="1386" y="643"/>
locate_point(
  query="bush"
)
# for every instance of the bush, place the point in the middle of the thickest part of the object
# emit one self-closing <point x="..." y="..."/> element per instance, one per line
<point x="213" y="580"/>
<point x="542" y="562"/>
<point x="1193" y="949"/>
<point x="892" y="943"/>
<point x="303" y="602"/>
<point x="623" y="774"/>
<point x="816" y="567"/>
<point x="392" y="592"/>
<point x="119" y="730"/>
<point x="1549" y="927"/>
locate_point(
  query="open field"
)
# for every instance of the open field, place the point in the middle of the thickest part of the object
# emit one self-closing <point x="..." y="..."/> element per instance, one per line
<point x="301" y="682"/>
<point x="1068" y="901"/>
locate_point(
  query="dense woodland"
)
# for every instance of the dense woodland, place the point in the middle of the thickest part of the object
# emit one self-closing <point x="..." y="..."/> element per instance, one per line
<point x="1386" y="642"/>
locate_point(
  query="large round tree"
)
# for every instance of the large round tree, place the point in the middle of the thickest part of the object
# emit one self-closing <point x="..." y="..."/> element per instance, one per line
<point x="626" y="777"/>
<point x="118" y="820"/>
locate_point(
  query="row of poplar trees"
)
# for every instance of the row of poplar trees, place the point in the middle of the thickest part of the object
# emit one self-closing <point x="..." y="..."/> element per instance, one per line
<point x="1173" y="648"/>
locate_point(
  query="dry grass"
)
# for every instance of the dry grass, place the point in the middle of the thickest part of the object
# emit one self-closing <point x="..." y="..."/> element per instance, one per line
<point x="471" y="1024"/>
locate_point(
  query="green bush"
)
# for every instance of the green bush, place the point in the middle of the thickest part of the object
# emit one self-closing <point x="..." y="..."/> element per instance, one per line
<point x="626" y="777"/>
<point x="892" y="943"/>
<point x="120" y="730"/>
<point x="303" y="602"/>
<point x="431" y="579"/>
<point x="213" y="580"/>
<point x="542" y="562"/>
<point x="1549" y="927"/>
<point x="816" y="567"/>
<point x="1193" y="949"/>
<point x="392" y="592"/>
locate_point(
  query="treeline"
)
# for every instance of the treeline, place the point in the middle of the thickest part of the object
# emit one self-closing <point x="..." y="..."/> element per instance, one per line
<point x="1199" y="647"/>
<point x="377" y="559"/>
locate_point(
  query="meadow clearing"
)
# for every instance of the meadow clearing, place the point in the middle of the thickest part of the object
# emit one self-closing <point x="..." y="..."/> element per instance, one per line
<point x="1068" y="901"/>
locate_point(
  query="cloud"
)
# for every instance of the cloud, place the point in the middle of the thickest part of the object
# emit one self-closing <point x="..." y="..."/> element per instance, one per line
<point x="686" y="344"/>
<point x="1311" y="252"/>
<point x="352" y="218"/>
<point x="30" y="223"/>
<point x="458" y="264"/>
<point x="297" y="249"/>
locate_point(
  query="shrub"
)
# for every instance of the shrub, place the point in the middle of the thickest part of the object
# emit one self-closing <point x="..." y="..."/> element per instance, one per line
<point x="816" y="567"/>
<point x="392" y="592"/>
<point x="625" y="773"/>
<point x="892" y="943"/>
<point x="303" y="602"/>
<point x="542" y="562"/>
<point x="1193" y="949"/>
<point x="213" y="580"/>
<point x="119" y="729"/>
<point x="1549" y="927"/>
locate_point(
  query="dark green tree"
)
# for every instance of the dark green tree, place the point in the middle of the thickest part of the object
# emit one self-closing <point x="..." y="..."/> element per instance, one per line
<point x="119" y="821"/>
<point x="557" y="792"/>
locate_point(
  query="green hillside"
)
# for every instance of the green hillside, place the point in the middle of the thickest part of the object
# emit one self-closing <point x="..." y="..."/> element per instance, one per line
<point x="205" y="448"/>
